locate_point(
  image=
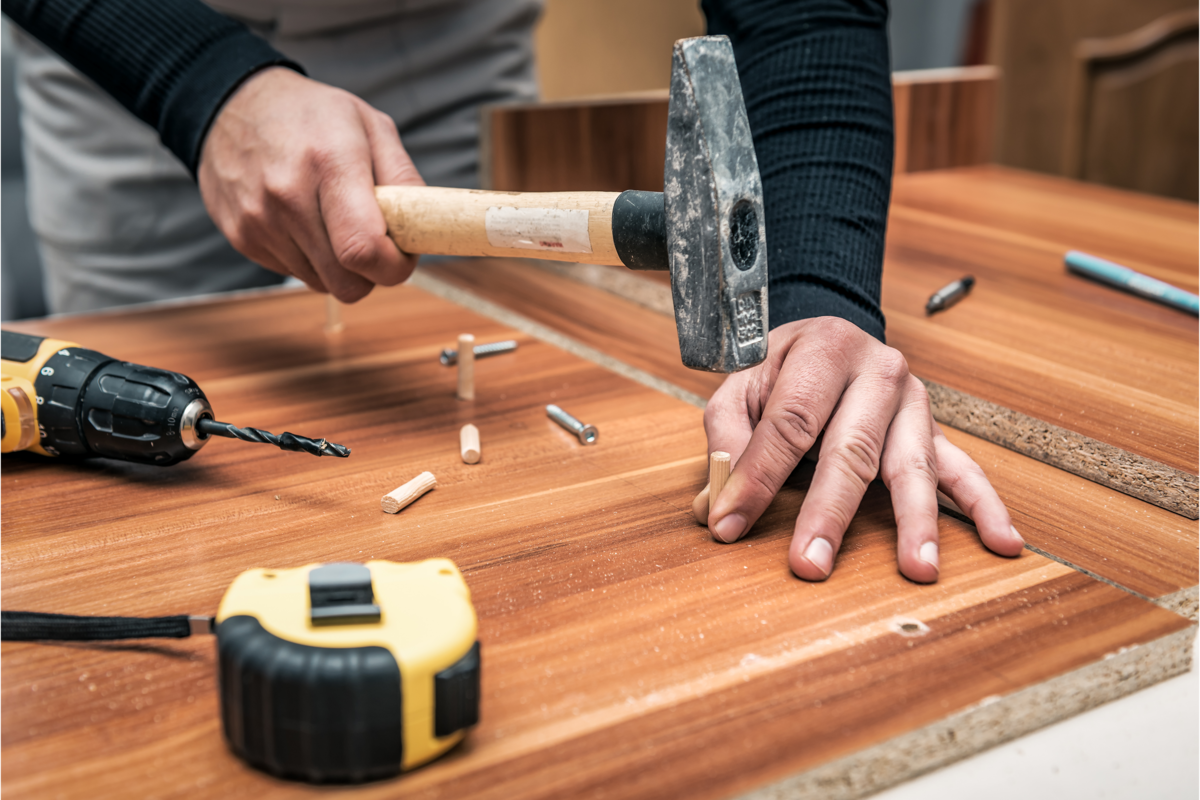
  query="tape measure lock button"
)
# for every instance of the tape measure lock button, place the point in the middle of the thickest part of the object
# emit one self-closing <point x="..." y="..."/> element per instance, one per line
<point x="341" y="594"/>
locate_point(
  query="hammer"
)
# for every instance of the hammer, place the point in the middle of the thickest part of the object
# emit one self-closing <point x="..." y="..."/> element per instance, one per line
<point x="706" y="227"/>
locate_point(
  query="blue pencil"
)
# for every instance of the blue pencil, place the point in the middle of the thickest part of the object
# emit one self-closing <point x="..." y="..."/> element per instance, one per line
<point x="1133" y="282"/>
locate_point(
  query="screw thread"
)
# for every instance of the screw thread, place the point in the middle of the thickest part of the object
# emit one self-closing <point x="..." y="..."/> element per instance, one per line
<point x="563" y="418"/>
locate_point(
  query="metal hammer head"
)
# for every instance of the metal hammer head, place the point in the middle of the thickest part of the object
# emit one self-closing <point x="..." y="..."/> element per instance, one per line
<point x="716" y="235"/>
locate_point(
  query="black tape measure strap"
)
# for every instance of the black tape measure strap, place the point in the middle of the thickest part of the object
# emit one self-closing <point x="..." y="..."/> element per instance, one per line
<point x="30" y="626"/>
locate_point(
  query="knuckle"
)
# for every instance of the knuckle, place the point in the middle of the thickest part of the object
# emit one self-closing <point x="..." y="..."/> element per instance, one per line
<point x="760" y="489"/>
<point x="358" y="253"/>
<point x="323" y="157"/>
<point x="962" y="484"/>
<point x="836" y="331"/>
<point x="917" y="392"/>
<point x="798" y="428"/>
<point x="893" y="367"/>
<point x="244" y="229"/>
<point x="919" y="461"/>
<point x="857" y="456"/>
<point x="281" y="188"/>
<point x="383" y="121"/>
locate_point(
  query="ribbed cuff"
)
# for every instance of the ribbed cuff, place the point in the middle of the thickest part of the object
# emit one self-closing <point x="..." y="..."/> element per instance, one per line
<point x="802" y="299"/>
<point x="189" y="110"/>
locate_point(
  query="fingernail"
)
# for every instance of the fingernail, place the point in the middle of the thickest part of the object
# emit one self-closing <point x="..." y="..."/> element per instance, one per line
<point x="819" y="553"/>
<point x="929" y="554"/>
<point x="1013" y="528"/>
<point x="730" y="528"/>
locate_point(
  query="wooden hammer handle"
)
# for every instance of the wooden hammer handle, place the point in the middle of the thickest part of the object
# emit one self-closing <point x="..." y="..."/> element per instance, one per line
<point x="560" y="226"/>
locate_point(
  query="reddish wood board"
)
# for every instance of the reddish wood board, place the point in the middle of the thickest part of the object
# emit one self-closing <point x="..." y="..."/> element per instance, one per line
<point x="619" y="640"/>
<point x="1033" y="337"/>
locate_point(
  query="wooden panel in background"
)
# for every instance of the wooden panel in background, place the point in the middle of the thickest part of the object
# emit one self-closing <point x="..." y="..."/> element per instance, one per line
<point x="943" y="119"/>
<point x="618" y="639"/>
<point x="601" y="144"/>
<point x="1081" y="522"/>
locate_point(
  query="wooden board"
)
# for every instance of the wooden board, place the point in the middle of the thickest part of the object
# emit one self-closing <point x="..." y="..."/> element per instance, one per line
<point x="1117" y="374"/>
<point x="1147" y="549"/>
<point x="619" y="641"/>
<point x="1033" y="337"/>
<point x="944" y="118"/>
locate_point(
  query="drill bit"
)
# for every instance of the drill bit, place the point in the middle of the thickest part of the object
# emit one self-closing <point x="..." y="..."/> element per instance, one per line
<point x="286" y="441"/>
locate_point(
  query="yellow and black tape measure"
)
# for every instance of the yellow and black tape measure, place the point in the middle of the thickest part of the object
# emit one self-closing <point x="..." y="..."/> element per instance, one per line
<point x="329" y="672"/>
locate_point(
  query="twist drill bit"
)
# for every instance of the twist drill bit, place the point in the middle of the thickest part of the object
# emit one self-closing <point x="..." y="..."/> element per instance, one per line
<point x="285" y="441"/>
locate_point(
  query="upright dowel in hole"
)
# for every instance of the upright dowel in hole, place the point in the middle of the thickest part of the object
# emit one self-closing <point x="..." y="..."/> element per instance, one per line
<point x="397" y="499"/>
<point x="718" y="473"/>
<point x="468" y="442"/>
<point x="333" y="315"/>
<point x="466" y="367"/>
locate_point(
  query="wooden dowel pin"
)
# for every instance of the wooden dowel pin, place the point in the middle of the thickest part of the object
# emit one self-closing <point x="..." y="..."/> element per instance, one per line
<point x="718" y="473"/>
<point x="468" y="442"/>
<point x="466" y="367"/>
<point x="397" y="499"/>
<point x="333" y="315"/>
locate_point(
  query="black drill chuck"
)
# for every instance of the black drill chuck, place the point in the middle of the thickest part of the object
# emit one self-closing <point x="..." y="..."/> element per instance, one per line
<point x="88" y="404"/>
<point x="92" y="405"/>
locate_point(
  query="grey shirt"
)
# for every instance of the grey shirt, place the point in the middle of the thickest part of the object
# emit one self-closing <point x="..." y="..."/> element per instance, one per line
<point x="120" y="220"/>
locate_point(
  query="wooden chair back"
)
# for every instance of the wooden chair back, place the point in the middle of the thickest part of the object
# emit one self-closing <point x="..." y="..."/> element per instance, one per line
<point x="1132" y="108"/>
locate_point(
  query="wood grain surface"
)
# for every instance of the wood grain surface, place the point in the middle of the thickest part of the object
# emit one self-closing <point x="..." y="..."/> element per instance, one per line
<point x="1032" y="337"/>
<point x="619" y="641"/>
<point x="1147" y="549"/>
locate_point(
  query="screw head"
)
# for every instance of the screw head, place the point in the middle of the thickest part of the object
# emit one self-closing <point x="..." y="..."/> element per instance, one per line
<point x="588" y="434"/>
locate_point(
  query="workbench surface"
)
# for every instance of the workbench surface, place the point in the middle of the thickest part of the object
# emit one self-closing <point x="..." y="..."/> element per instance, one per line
<point x="625" y="653"/>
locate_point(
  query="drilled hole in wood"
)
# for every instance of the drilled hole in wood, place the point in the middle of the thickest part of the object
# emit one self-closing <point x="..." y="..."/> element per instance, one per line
<point x="908" y="627"/>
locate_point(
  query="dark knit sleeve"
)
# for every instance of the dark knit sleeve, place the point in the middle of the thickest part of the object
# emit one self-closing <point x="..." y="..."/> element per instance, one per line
<point x="172" y="63"/>
<point x="817" y="83"/>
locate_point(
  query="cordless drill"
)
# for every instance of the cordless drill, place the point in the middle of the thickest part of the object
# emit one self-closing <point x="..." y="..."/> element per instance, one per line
<point x="60" y="399"/>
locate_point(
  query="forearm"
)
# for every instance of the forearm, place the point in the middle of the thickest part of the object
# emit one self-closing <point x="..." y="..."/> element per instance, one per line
<point x="172" y="64"/>
<point x="816" y="80"/>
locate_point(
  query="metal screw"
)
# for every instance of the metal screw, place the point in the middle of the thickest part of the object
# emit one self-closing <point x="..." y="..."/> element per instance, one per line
<point x="450" y="357"/>
<point x="587" y="433"/>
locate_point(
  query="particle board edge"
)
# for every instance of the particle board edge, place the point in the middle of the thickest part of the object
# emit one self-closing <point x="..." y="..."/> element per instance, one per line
<point x="1185" y="602"/>
<point x="1105" y="464"/>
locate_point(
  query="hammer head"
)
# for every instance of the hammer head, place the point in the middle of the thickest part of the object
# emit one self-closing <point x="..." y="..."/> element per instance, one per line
<point x="716" y="235"/>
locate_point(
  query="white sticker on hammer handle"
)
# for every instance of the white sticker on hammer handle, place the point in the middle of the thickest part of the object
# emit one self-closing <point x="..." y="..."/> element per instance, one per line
<point x="557" y="229"/>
